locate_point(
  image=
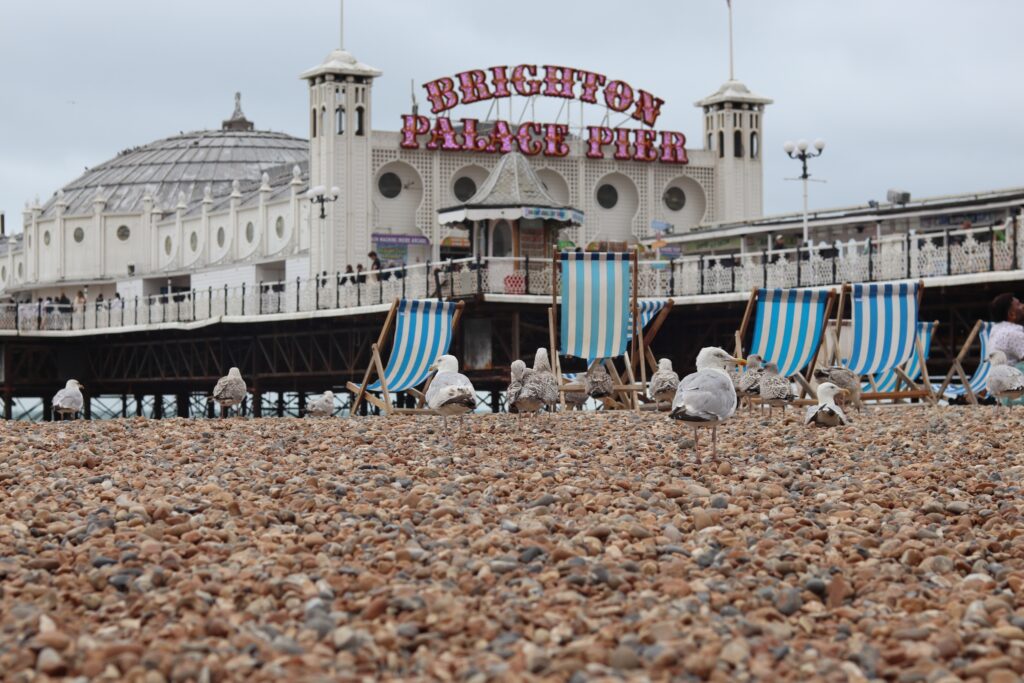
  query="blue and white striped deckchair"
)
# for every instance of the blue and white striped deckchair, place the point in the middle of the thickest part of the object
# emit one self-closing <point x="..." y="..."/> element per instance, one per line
<point x="595" y="311"/>
<point x="423" y="333"/>
<point x="649" y="308"/>
<point x="978" y="380"/>
<point x="888" y="381"/>
<point x="789" y="326"/>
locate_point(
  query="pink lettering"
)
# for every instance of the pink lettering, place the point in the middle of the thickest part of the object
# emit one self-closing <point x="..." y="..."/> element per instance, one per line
<point x="474" y="86"/>
<point x="445" y="134"/>
<point x="521" y="84"/>
<point x="597" y="137"/>
<point x="411" y="127"/>
<point x="622" y="143"/>
<point x="499" y="78"/>
<point x="559" y="81"/>
<point x="591" y="82"/>
<point x="618" y="95"/>
<point x="554" y="137"/>
<point x="645" y="150"/>
<point x="527" y="145"/>
<point x="673" y="148"/>
<point x="501" y="138"/>
<point x="648" y="107"/>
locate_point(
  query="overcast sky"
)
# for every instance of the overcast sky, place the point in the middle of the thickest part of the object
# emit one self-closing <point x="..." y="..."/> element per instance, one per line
<point x="921" y="95"/>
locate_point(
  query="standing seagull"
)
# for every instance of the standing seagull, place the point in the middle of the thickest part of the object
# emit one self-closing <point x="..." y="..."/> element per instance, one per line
<point x="1004" y="380"/>
<point x="322" y="406"/>
<point x="826" y="413"/>
<point x="521" y="398"/>
<point x="707" y="397"/>
<point x="68" y="401"/>
<point x="450" y="392"/>
<point x="230" y="391"/>
<point x="541" y="383"/>
<point x="775" y="389"/>
<point x="749" y="383"/>
<point x="664" y="382"/>
<point x="844" y="379"/>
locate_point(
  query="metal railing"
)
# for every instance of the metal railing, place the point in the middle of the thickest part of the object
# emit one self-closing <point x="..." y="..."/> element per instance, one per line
<point x="892" y="257"/>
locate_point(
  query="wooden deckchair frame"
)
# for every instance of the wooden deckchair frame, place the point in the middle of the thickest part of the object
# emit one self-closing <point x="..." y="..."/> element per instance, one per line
<point x="958" y="367"/>
<point x="625" y="393"/>
<point x="377" y="366"/>
<point x="649" y="335"/>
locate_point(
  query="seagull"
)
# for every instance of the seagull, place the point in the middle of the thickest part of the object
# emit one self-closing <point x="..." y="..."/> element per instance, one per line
<point x="575" y="399"/>
<point x="541" y="383"/>
<point x="520" y="400"/>
<point x="1004" y="380"/>
<point x="826" y="413"/>
<point x="68" y="401"/>
<point x="664" y="382"/>
<point x="230" y="390"/>
<point x="597" y="383"/>
<point x="707" y="397"/>
<point x="844" y="379"/>
<point x="322" y="406"/>
<point x="749" y="383"/>
<point x="450" y="392"/>
<point x="775" y="389"/>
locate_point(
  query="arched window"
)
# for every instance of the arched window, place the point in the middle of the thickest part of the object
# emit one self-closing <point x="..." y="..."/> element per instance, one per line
<point x="721" y="144"/>
<point x="359" y="121"/>
<point x="737" y="144"/>
<point x="323" y="121"/>
<point x="501" y="241"/>
<point x="312" y="122"/>
<point x="754" y="145"/>
<point x="339" y="120"/>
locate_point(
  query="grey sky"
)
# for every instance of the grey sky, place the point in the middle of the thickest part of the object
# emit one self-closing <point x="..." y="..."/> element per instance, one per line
<point x="923" y="95"/>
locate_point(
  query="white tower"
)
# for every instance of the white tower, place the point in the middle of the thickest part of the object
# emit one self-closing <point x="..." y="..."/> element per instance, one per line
<point x="340" y="108"/>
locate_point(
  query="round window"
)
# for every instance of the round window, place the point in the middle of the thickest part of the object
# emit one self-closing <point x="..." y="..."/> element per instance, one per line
<point x="607" y="196"/>
<point x="674" y="198"/>
<point x="250" y="232"/>
<point x="220" y="236"/>
<point x="123" y="233"/>
<point x="79" y="234"/>
<point x="390" y="185"/>
<point x="167" y="245"/>
<point x="46" y="238"/>
<point x="464" y="188"/>
<point x="279" y="226"/>
<point x="193" y="241"/>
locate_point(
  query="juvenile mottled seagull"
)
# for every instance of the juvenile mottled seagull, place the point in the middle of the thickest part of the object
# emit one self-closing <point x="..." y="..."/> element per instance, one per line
<point x="664" y="382"/>
<point x="520" y="398"/>
<point x="844" y="379"/>
<point x="575" y="399"/>
<point x="1004" y="380"/>
<point x="230" y="390"/>
<point x="597" y="383"/>
<point x="748" y="383"/>
<point x="541" y="383"/>
<point x="68" y="401"/>
<point x="707" y="397"/>
<point x="450" y="392"/>
<point x="826" y="413"/>
<point x="322" y="406"/>
<point x="775" y="389"/>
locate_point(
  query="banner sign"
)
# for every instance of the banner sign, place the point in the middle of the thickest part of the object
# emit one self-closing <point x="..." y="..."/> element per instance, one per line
<point x="392" y="239"/>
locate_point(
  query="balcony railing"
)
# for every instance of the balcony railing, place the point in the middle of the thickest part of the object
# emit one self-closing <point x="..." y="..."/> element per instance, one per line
<point x="892" y="257"/>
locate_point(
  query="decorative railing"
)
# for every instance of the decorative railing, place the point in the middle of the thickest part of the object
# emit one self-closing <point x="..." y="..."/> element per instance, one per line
<point x="891" y="257"/>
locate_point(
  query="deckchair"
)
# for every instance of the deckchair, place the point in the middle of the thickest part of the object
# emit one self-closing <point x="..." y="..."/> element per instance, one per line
<point x="976" y="384"/>
<point x="653" y="313"/>
<point x="888" y="381"/>
<point x="788" y="328"/>
<point x="598" y="316"/>
<point x="884" y="333"/>
<point x="423" y="332"/>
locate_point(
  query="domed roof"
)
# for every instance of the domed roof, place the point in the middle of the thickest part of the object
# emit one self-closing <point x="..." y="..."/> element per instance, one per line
<point x="342" y="63"/>
<point x="184" y="163"/>
<point x="733" y="91"/>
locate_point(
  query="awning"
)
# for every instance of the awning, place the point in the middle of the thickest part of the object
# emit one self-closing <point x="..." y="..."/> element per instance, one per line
<point x="461" y="214"/>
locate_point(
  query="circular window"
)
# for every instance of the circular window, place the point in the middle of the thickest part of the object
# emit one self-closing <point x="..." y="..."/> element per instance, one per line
<point x="79" y="234"/>
<point x="464" y="188"/>
<point x="193" y="241"/>
<point x="607" y="196"/>
<point x="123" y="233"/>
<point x="674" y="198"/>
<point x="390" y="185"/>
<point x="46" y="238"/>
<point x="279" y="226"/>
<point x="167" y="245"/>
<point x="250" y="231"/>
<point x="220" y="236"/>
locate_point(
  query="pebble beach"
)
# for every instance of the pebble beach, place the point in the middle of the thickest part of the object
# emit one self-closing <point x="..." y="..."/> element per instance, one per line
<point x="578" y="547"/>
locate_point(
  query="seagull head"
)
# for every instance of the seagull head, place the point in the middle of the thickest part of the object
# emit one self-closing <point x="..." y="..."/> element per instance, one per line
<point x="234" y="372"/>
<point x="518" y="369"/>
<point x="997" y="357"/>
<point x="754" y="361"/>
<point x="74" y="384"/>
<point x="665" y="364"/>
<point x="445" y="363"/>
<point x="712" y="357"/>
<point x="771" y="368"/>
<point x="329" y="395"/>
<point x="827" y="392"/>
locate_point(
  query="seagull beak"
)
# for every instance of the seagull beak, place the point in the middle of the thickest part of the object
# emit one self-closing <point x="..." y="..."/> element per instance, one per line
<point x="739" y="361"/>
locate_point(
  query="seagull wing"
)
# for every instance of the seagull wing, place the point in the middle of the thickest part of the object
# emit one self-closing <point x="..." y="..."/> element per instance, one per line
<point x="706" y="395"/>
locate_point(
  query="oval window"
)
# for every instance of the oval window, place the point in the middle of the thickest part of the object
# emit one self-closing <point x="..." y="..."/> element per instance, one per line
<point x="21" y="270"/>
<point x="464" y="188"/>
<point x="46" y="238"/>
<point x="390" y="185"/>
<point x="279" y="226"/>
<point x="193" y="241"/>
<point x="674" y="198"/>
<point x="123" y="233"/>
<point x="220" y="236"/>
<point x="167" y="245"/>
<point x="250" y="232"/>
<point x="79" y="234"/>
<point x="607" y="196"/>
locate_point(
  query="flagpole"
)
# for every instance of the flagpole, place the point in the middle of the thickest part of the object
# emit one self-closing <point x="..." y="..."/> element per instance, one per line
<point x="729" y="5"/>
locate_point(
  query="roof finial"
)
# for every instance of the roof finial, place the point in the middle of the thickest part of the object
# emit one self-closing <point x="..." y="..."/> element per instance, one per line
<point x="237" y="120"/>
<point x="729" y="5"/>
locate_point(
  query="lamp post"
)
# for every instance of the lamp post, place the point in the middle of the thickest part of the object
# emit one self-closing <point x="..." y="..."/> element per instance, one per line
<point x="320" y="195"/>
<point x="799" y="150"/>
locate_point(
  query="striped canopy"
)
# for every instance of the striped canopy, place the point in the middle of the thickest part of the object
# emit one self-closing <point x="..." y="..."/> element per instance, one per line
<point x="980" y="377"/>
<point x="788" y="327"/>
<point x="884" y="325"/>
<point x="423" y="334"/>
<point x="887" y="381"/>
<point x="595" y="315"/>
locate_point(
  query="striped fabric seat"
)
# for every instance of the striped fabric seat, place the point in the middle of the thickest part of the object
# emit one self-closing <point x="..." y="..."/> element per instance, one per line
<point x="595" y="304"/>
<point x="884" y="326"/>
<point x="649" y="309"/>
<point x="888" y="380"/>
<point x="423" y="333"/>
<point x="788" y="327"/>
<point x="980" y="376"/>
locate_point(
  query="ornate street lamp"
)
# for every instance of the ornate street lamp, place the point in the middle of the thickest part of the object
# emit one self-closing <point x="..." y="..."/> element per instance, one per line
<point x="319" y="195"/>
<point x="800" y="151"/>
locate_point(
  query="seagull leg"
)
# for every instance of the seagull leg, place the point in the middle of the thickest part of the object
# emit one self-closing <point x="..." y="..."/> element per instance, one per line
<point x="714" y="442"/>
